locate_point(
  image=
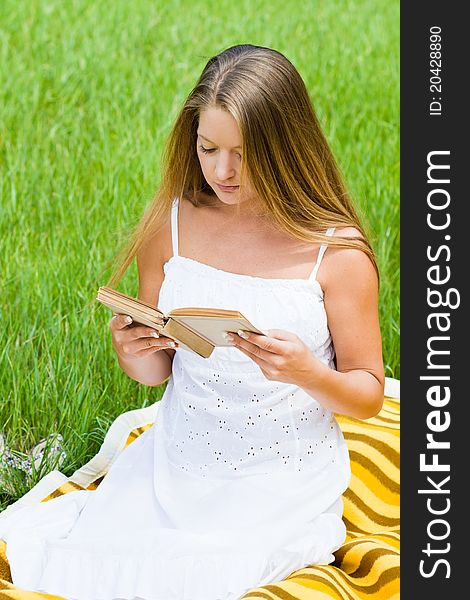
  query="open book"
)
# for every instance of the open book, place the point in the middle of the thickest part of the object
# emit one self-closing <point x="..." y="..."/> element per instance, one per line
<point x="197" y="329"/>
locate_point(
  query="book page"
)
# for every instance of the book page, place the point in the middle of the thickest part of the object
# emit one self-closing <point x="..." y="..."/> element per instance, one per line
<point x="213" y="328"/>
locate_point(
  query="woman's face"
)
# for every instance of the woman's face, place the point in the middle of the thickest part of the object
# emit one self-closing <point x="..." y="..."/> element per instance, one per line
<point x="219" y="146"/>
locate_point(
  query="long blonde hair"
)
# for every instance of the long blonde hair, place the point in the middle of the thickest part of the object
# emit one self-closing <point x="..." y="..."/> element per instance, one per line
<point x="285" y="153"/>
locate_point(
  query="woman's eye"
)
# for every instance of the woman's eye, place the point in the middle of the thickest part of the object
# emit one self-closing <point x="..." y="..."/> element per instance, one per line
<point x="210" y="150"/>
<point x="206" y="150"/>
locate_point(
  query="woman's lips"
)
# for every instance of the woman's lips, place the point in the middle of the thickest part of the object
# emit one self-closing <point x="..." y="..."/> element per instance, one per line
<point x="228" y="188"/>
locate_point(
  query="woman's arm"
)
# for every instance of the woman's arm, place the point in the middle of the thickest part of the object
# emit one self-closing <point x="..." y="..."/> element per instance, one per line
<point x="350" y="287"/>
<point x="356" y="388"/>
<point x="150" y="370"/>
<point x="155" y="368"/>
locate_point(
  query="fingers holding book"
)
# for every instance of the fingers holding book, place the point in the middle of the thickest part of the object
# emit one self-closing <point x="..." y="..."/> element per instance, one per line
<point x="132" y="340"/>
<point x="119" y="321"/>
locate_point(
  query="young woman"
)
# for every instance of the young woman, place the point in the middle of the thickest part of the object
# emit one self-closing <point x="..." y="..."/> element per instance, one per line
<point x="239" y="481"/>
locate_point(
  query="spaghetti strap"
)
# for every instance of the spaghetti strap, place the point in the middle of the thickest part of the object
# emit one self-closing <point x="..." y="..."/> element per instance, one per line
<point x="321" y="252"/>
<point x="174" y="226"/>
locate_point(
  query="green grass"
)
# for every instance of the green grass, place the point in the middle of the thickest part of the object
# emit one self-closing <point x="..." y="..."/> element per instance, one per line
<point x="88" y="92"/>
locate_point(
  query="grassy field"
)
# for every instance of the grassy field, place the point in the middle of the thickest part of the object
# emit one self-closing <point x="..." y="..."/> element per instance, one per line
<point x="88" y="93"/>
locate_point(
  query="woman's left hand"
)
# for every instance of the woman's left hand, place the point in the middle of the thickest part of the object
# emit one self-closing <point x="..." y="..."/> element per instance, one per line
<point x="281" y="355"/>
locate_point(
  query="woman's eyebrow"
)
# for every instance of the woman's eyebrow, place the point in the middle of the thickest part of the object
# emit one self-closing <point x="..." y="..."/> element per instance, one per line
<point x="207" y="140"/>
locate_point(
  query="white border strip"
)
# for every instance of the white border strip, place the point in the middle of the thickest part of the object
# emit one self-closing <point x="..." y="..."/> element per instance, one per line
<point x="392" y="387"/>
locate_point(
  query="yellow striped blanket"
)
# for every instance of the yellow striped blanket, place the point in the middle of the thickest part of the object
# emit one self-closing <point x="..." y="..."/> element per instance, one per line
<point x="366" y="566"/>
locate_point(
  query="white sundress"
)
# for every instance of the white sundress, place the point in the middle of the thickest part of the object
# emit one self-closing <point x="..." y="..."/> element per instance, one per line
<point x="236" y="485"/>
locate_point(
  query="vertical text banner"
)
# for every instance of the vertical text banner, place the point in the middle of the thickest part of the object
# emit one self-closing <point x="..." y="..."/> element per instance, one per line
<point x="435" y="365"/>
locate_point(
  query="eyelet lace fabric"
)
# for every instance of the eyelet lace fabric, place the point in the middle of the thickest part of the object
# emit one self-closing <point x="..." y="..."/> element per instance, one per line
<point x="228" y="419"/>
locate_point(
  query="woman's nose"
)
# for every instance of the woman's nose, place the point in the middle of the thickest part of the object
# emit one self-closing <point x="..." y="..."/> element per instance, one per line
<point x="225" y="167"/>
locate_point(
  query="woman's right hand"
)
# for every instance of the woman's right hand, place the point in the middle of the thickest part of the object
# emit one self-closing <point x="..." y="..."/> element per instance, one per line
<point x="133" y="340"/>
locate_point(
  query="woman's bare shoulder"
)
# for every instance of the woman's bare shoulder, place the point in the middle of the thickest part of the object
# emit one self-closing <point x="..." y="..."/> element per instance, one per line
<point x="342" y="264"/>
<point x="351" y="232"/>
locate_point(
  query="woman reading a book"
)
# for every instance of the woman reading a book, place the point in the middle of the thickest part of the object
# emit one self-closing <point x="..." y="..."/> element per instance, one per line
<point x="239" y="481"/>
